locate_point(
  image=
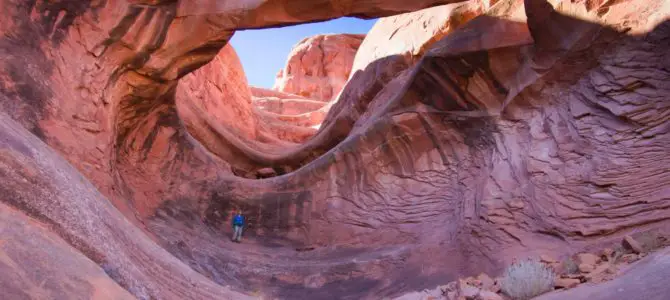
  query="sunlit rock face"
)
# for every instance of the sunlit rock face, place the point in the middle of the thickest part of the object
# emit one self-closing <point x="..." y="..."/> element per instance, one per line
<point x="319" y="66"/>
<point x="502" y="130"/>
<point x="411" y="35"/>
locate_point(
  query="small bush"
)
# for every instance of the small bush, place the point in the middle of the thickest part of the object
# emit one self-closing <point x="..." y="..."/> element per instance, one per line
<point x="650" y="241"/>
<point x="569" y="266"/>
<point x="526" y="279"/>
<point x="619" y="251"/>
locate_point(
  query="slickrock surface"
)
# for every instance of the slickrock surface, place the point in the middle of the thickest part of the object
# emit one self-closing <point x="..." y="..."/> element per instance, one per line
<point x="646" y="279"/>
<point x="610" y="267"/>
<point x="319" y="66"/>
<point x="38" y="264"/>
<point x="536" y="128"/>
<point x="61" y="238"/>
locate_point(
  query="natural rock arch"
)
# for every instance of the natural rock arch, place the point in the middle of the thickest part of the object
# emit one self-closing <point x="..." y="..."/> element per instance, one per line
<point x="485" y="147"/>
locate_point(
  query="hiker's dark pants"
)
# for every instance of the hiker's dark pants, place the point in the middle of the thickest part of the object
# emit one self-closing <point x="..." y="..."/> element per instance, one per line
<point x="237" y="232"/>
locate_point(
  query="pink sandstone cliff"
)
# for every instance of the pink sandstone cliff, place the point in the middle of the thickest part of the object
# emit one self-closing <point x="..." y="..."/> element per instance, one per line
<point x="501" y="129"/>
<point x="319" y="66"/>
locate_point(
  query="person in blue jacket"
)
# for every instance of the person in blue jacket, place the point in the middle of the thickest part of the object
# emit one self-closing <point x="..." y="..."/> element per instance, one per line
<point x="238" y="226"/>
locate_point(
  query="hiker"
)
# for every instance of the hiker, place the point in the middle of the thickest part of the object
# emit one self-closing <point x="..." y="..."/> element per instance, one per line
<point x="238" y="226"/>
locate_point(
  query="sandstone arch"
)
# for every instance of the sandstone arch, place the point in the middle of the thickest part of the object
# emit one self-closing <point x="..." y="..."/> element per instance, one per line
<point x="487" y="146"/>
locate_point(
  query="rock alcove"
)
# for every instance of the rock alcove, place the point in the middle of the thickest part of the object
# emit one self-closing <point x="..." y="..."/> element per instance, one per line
<point x="490" y="130"/>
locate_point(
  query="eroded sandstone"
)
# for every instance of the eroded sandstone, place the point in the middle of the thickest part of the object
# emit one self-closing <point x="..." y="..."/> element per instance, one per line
<point x="536" y="128"/>
<point x="319" y="66"/>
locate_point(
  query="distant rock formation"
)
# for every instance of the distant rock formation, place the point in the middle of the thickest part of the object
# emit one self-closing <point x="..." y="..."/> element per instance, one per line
<point x="318" y="67"/>
<point x="534" y="127"/>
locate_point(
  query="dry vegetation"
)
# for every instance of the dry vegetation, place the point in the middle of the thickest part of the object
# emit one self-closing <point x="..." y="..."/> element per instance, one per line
<point x="526" y="279"/>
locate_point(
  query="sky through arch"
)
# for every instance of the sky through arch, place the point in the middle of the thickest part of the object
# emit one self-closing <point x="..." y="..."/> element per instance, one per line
<point x="263" y="52"/>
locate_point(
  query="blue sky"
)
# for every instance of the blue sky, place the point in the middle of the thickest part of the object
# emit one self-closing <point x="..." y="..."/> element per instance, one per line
<point x="263" y="52"/>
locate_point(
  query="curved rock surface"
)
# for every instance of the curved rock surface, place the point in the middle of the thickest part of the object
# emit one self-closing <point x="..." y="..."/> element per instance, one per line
<point x="63" y="239"/>
<point x="411" y="34"/>
<point x="647" y="279"/>
<point x="63" y="272"/>
<point x="536" y="128"/>
<point x="319" y="66"/>
<point x="221" y="90"/>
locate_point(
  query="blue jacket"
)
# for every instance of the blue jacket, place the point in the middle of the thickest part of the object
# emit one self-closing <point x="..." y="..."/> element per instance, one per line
<point x="238" y="220"/>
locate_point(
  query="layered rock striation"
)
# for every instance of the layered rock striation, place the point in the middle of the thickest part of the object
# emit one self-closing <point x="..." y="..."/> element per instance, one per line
<point x="528" y="127"/>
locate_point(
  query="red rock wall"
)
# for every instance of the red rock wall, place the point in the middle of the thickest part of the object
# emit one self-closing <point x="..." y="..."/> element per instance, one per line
<point x="424" y="146"/>
<point x="506" y="138"/>
<point x="221" y="90"/>
<point x="97" y="82"/>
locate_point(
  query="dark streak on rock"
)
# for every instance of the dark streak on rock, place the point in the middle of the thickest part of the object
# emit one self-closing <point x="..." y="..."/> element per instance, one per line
<point x="26" y="97"/>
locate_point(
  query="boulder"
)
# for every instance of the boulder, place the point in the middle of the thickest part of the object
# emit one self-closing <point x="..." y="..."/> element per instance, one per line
<point x="466" y="290"/>
<point x="567" y="266"/>
<point x="557" y="267"/>
<point x="566" y="283"/>
<point x="588" y="258"/>
<point x="586" y="268"/>
<point x="630" y="243"/>
<point x="573" y="276"/>
<point x="601" y="273"/>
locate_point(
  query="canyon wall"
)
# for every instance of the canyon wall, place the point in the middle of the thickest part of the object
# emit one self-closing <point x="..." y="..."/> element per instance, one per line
<point x="509" y="128"/>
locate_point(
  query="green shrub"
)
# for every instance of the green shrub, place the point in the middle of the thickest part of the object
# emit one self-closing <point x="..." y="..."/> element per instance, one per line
<point x="526" y="279"/>
<point x="569" y="266"/>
